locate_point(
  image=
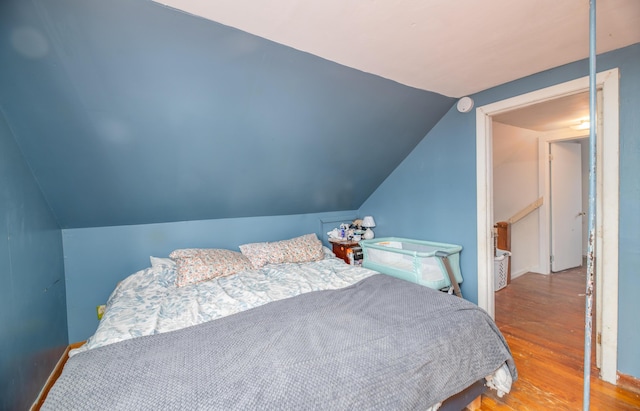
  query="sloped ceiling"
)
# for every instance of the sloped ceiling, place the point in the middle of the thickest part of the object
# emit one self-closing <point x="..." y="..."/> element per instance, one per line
<point x="129" y="112"/>
<point x="450" y="47"/>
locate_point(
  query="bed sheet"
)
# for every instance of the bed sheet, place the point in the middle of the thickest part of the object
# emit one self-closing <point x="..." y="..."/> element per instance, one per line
<point x="148" y="302"/>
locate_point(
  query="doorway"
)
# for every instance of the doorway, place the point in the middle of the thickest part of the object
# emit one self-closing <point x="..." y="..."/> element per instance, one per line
<point x="607" y="195"/>
<point x="566" y="205"/>
<point x="565" y="169"/>
<point x="526" y="183"/>
<point x="575" y="217"/>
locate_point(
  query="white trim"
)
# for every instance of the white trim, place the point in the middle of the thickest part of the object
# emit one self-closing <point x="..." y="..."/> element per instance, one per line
<point x="484" y="181"/>
<point x="607" y="234"/>
<point x="608" y="80"/>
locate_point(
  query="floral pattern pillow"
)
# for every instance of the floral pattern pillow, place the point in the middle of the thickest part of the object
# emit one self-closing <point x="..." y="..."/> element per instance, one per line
<point x="194" y="265"/>
<point x="296" y="250"/>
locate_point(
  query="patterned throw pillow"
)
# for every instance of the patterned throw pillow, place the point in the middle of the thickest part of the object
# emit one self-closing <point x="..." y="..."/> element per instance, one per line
<point x="296" y="250"/>
<point x="194" y="265"/>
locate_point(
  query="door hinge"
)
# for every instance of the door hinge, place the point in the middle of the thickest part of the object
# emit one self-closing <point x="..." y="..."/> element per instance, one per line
<point x="599" y="338"/>
<point x="550" y="157"/>
<point x="551" y="259"/>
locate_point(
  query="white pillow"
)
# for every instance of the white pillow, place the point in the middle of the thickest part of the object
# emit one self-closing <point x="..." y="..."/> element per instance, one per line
<point x="160" y="262"/>
<point x="328" y="253"/>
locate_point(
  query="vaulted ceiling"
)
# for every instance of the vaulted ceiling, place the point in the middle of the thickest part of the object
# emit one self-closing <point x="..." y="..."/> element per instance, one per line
<point x="453" y="48"/>
<point x="130" y="112"/>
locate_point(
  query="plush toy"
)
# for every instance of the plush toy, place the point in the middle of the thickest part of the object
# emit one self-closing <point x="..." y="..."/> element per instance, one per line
<point x="357" y="223"/>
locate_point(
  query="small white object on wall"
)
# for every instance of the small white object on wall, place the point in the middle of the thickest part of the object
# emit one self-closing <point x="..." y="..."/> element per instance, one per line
<point x="465" y="104"/>
<point x="367" y="223"/>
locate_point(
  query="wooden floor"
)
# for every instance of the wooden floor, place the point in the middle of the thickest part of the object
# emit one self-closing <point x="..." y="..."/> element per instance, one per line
<point x="542" y="318"/>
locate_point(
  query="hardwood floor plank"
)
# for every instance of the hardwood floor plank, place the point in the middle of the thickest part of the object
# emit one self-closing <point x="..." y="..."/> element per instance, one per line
<point x="542" y="319"/>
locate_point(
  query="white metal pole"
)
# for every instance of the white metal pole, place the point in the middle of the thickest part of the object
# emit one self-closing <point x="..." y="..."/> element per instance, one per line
<point x="592" y="207"/>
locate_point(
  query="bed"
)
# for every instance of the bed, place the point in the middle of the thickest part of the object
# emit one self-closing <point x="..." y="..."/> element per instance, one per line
<point x="286" y="333"/>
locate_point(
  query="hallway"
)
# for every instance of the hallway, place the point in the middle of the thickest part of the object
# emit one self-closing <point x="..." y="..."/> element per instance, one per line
<point x="542" y="318"/>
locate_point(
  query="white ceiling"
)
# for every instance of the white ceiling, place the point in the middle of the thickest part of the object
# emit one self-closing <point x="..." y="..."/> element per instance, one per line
<point x="455" y="48"/>
<point x="558" y="114"/>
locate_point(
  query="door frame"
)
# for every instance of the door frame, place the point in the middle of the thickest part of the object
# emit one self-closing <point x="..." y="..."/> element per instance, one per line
<point x="606" y="215"/>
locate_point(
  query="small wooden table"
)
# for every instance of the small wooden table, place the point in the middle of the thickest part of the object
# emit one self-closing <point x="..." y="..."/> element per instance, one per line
<point x="340" y="248"/>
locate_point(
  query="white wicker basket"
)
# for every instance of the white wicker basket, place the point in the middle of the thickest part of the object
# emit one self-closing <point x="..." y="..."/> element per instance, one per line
<point x="500" y="268"/>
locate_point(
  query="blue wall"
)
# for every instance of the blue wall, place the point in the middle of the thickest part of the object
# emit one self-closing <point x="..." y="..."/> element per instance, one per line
<point x="33" y="316"/>
<point x="153" y="115"/>
<point x="97" y="258"/>
<point x="432" y="194"/>
<point x="629" y="248"/>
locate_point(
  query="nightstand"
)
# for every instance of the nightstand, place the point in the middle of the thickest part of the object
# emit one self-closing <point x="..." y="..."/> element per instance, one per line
<point x="340" y="248"/>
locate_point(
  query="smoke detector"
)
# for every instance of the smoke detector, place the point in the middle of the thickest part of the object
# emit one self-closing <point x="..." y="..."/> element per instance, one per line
<point x="465" y="104"/>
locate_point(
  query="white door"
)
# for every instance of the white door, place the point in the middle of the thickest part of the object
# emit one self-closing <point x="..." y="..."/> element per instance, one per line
<point x="566" y="205"/>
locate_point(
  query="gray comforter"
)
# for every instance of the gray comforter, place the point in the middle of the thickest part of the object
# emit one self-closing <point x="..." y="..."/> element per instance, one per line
<point x="382" y="343"/>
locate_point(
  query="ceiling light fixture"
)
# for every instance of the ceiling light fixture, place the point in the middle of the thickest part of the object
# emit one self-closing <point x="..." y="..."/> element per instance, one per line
<point x="584" y="125"/>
